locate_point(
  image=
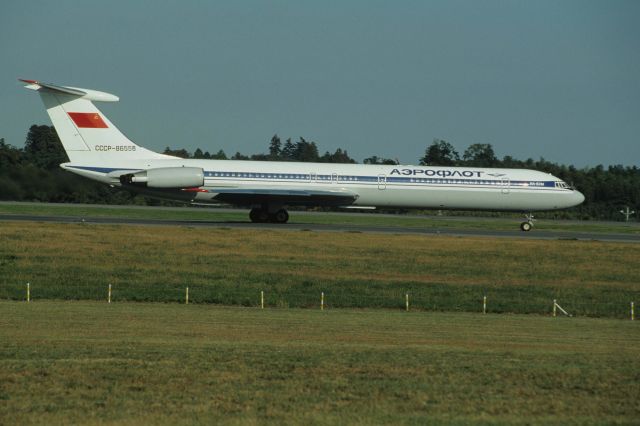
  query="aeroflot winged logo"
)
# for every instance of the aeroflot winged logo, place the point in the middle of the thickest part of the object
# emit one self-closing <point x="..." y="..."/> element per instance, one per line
<point x="439" y="173"/>
<point x="88" y="120"/>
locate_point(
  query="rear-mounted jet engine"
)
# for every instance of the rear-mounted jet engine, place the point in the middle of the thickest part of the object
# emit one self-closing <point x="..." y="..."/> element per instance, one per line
<point x="166" y="177"/>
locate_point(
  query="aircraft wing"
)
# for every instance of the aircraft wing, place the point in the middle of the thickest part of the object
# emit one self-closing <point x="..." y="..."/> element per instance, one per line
<point x="290" y="197"/>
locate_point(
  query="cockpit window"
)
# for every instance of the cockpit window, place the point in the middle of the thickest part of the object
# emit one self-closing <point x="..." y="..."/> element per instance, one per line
<point x="562" y="185"/>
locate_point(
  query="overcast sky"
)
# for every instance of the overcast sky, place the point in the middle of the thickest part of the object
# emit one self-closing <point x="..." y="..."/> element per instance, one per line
<point x="553" y="79"/>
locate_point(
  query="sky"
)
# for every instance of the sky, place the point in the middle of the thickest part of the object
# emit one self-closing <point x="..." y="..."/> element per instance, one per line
<point x="539" y="78"/>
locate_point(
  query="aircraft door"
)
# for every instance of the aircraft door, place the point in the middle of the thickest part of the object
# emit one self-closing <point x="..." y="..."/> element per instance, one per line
<point x="382" y="182"/>
<point x="505" y="184"/>
<point x="334" y="178"/>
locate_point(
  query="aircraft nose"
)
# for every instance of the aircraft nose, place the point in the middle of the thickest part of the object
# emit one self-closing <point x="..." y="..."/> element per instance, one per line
<point x="579" y="198"/>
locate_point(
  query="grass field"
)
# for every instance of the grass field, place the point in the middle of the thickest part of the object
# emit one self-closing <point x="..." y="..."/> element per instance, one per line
<point x="363" y="219"/>
<point x="135" y="363"/>
<point x="232" y="266"/>
<point x="88" y="362"/>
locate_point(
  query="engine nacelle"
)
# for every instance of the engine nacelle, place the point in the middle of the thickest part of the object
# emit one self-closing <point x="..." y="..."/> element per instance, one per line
<point x="166" y="177"/>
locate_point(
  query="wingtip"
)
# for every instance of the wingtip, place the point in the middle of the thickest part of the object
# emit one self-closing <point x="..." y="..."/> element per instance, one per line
<point x="28" y="81"/>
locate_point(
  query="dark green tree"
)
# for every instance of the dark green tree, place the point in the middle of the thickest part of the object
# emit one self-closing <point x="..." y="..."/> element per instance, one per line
<point x="480" y="155"/>
<point x="220" y="155"/>
<point x="288" y="151"/>
<point x="182" y="153"/>
<point x="275" y="148"/>
<point x="10" y="156"/>
<point x="43" y="147"/>
<point x="305" y="151"/>
<point x="261" y="157"/>
<point x="339" y="156"/>
<point x="440" y="153"/>
<point x="379" y="160"/>
<point x="239" y="156"/>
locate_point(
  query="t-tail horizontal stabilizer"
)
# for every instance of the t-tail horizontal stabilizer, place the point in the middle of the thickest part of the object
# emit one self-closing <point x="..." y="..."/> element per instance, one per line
<point x="90" y="95"/>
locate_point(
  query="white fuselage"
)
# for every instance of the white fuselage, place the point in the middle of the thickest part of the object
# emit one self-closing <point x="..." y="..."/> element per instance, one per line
<point x="402" y="186"/>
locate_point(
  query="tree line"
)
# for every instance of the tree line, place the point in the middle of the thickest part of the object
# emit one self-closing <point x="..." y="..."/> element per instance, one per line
<point x="301" y="150"/>
<point x="32" y="173"/>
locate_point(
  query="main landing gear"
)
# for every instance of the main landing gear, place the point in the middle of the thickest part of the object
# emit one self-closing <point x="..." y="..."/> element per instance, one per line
<point x="526" y="226"/>
<point x="261" y="215"/>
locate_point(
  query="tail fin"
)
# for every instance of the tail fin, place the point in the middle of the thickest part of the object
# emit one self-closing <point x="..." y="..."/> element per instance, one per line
<point x="87" y="135"/>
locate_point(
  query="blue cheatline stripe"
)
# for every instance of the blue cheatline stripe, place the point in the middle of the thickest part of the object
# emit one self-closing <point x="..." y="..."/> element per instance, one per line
<point x="99" y="169"/>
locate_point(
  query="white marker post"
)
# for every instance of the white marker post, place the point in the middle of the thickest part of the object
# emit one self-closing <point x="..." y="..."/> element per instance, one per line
<point x="484" y="305"/>
<point x="632" y="312"/>
<point x="109" y="295"/>
<point x="186" y="296"/>
<point x="555" y="305"/>
<point x="322" y="301"/>
<point x="262" y="299"/>
<point x="28" y="292"/>
<point x="406" y="301"/>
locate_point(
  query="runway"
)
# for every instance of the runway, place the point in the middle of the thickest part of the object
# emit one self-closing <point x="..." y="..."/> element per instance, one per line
<point x="536" y="234"/>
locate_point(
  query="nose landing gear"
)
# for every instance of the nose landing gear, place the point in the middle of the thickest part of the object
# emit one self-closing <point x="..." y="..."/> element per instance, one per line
<point x="526" y="226"/>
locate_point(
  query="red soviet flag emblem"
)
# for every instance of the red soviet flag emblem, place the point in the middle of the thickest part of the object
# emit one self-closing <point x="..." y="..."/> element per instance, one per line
<point x="91" y="120"/>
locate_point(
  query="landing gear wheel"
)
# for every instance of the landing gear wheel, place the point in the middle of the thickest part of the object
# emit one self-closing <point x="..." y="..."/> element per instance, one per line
<point x="528" y="223"/>
<point x="526" y="226"/>
<point x="258" y="216"/>
<point x="263" y="217"/>
<point x="281" y="216"/>
<point x="254" y="215"/>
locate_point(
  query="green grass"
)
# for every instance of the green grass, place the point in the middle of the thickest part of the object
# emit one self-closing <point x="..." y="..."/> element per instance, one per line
<point x="134" y="363"/>
<point x="231" y="267"/>
<point x="353" y="218"/>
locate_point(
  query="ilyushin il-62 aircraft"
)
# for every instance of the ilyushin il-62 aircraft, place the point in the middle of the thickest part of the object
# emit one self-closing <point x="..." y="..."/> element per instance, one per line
<point x="98" y="150"/>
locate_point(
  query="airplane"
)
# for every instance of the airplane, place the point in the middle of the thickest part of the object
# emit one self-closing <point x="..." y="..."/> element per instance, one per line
<point x="98" y="150"/>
